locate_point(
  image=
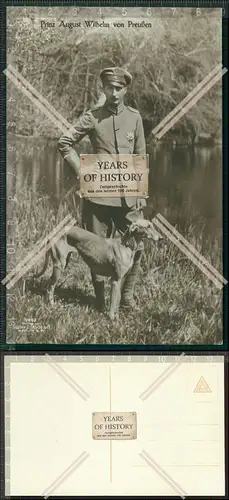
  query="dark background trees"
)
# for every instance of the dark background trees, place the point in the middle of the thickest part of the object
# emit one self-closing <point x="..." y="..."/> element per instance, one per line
<point x="167" y="61"/>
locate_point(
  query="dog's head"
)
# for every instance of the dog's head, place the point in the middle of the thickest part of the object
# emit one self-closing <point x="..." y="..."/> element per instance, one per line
<point x="143" y="228"/>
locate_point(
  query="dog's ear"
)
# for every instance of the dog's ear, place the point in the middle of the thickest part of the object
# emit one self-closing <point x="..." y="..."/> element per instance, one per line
<point x="133" y="216"/>
<point x="132" y="227"/>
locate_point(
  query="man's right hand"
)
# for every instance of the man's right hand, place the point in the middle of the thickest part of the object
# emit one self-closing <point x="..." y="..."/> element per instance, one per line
<point x="65" y="146"/>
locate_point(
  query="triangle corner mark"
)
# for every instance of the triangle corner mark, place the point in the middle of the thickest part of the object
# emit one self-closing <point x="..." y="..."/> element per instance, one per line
<point x="202" y="386"/>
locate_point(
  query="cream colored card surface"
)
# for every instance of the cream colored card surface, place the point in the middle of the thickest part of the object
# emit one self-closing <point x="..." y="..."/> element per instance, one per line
<point x="179" y="407"/>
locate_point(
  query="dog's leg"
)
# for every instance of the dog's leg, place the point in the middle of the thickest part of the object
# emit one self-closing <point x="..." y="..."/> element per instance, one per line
<point x="99" y="292"/>
<point x="57" y="271"/>
<point x="127" y="300"/>
<point x="58" y="268"/>
<point x="60" y="257"/>
<point x="115" y="299"/>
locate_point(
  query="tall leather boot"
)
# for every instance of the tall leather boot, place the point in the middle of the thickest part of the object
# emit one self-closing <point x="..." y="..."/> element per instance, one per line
<point x="99" y="292"/>
<point x="127" y="299"/>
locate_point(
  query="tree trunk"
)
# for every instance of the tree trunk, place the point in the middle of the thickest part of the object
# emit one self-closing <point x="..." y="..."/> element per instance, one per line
<point x="85" y="103"/>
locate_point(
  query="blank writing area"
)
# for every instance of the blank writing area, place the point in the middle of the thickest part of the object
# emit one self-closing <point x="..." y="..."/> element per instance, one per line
<point x="180" y="422"/>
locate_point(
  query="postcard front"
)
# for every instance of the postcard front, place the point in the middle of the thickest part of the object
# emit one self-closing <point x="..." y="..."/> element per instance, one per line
<point x="139" y="88"/>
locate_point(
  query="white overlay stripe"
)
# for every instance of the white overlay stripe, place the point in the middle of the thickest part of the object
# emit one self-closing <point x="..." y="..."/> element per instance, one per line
<point x="66" y="377"/>
<point x="191" y="103"/>
<point x="160" y="379"/>
<point x="40" y="254"/>
<point x="39" y="96"/>
<point x="65" y="474"/>
<point x="38" y="246"/>
<point x="168" y="479"/>
<point x="35" y="101"/>
<point x="187" y="98"/>
<point x="188" y="254"/>
<point x="192" y="249"/>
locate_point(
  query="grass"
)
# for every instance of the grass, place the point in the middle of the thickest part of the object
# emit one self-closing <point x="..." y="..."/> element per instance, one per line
<point x="175" y="302"/>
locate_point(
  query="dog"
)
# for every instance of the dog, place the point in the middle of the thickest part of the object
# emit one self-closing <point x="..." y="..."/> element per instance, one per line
<point x="110" y="257"/>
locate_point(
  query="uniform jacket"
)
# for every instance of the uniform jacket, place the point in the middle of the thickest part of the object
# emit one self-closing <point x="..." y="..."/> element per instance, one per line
<point x="110" y="131"/>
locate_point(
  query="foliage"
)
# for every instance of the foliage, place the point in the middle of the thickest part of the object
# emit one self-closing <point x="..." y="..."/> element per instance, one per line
<point x="167" y="61"/>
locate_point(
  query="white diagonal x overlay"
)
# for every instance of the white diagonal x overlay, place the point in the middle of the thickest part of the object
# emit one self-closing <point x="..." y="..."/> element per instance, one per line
<point x="189" y="251"/>
<point x="67" y="378"/>
<point x="190" y="100"/>
<point x="161" y="378"/>
<point x="38" y="251"/>
<point x="161" y="472"/>
<point x="37" y="99"/>
<point x="70" y="469"/>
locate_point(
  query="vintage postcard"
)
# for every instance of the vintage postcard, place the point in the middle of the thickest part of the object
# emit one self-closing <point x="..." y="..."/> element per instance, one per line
<point x="115" y="175"/>
<point x="114" y="425"/>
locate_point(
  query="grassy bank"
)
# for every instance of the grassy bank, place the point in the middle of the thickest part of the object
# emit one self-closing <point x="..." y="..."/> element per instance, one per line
<point x="175" y="302"/>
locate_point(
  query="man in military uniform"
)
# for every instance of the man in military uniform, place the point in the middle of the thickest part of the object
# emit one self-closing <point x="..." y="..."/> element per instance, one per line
<point x="113" y="129"/>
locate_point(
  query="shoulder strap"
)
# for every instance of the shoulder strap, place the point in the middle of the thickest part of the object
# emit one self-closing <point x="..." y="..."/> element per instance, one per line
<point x="133" y="109"/>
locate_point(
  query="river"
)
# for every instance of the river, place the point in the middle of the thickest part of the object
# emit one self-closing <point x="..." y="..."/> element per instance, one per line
<point x="185" y="183"/>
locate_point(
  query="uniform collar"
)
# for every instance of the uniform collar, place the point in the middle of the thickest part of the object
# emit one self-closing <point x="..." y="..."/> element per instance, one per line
<point x="115" y="110"/>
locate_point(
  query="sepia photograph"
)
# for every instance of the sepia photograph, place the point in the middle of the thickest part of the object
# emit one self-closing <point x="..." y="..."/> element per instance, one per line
<point x="114" y="176"/>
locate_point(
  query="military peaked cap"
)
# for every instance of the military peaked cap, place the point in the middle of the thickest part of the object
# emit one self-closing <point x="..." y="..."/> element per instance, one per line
<point x="116" y="75"/>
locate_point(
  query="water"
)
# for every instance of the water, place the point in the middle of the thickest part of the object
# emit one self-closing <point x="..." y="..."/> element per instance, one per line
<point x="185" y="183"/>
<point x="186" y="187"/>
